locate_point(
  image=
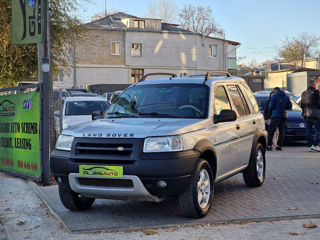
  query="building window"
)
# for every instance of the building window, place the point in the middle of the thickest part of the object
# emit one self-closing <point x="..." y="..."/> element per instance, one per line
<point x="138" y="24"/>
<point x="213" y="51"/>
<point x="136" y="50"/>
<point x="116" y="48"/>
<point x="136" y="75"/>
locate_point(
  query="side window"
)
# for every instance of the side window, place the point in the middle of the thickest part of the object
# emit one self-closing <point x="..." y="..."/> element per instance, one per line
<point x="252" y="99"/>
<point x="237" y="99"/>
<point x="221" y="100"/>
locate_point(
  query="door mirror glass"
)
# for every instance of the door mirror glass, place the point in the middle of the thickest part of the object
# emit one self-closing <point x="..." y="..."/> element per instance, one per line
<point x="225" y="115"/>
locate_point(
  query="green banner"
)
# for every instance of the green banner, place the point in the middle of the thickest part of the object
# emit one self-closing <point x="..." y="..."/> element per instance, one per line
<point x="19" y="133"/>
<point x="27" y="21"/>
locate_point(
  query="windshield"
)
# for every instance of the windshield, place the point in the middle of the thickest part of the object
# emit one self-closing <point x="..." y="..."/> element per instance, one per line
<point x="84" y="107"/>
<point x="162" y="100"/>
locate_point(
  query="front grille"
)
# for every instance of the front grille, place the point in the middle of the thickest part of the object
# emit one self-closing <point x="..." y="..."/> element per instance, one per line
<point x="106" y="150"/>
<point x="101" y="182"/>
<point x="110" y="149"/>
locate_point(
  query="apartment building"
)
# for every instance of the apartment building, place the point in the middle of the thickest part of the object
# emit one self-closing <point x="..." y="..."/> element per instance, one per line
<point x="121" y="48"/>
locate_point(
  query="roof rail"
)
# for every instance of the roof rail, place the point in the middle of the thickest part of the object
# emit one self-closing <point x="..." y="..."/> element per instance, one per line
<point x="215" y="72"/>
<point x="152" y="74"/>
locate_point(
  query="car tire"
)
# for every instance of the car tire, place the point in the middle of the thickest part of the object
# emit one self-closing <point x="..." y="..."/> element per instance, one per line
<point x="72" y="200"/>
<point x="254" y="174"/>
<point x="196" y="200"/>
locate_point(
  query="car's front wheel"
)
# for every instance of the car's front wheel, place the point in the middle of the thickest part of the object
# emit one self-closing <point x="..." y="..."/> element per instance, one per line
<point x="72" y="200"/>
<point x="254" y="175"/>
<point x="196" y="201"/>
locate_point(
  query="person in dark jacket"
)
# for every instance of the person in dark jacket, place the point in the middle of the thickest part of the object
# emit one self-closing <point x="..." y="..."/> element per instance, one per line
<point x="278" y="105"/>
<point x="267" y="119"/>
<point x="310" y="104"/>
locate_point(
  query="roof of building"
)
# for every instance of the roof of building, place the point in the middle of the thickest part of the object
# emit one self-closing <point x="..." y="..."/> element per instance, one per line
<point x="113" y="22"/>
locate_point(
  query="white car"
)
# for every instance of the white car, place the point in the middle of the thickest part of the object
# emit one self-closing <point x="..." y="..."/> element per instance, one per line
<point x="77" y="110"/>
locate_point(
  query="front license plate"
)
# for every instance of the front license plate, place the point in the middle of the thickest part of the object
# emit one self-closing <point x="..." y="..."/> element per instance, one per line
<point x="101" y="171"/>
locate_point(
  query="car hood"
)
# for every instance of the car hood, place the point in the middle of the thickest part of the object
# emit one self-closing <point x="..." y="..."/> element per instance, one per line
<point x="294" y="116"/>
<point x="76" y="120"/>
<point x="135" y="127"/>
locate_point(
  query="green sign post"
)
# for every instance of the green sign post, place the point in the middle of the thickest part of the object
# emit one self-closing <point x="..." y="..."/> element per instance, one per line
<point x="19" y="134"/>
<point x="27" y="24"/>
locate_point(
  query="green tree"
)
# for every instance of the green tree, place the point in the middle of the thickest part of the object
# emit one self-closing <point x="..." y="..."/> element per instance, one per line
<point x="17" y="61"/>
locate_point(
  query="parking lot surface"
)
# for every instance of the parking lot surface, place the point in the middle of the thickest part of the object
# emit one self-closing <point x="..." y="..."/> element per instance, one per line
<point x="291" y="190"/>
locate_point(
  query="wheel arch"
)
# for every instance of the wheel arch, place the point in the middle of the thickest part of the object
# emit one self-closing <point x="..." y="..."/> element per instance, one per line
<point x="207" y="152"/>
<point x="260" y="136"/>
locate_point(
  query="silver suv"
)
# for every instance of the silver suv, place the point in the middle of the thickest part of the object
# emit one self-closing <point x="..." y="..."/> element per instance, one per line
<point x="164" y="137"/>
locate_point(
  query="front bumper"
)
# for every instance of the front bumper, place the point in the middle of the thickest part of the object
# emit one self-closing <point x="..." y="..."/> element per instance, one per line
<point x="144" y="172"/>
<point x="135" y="190"/>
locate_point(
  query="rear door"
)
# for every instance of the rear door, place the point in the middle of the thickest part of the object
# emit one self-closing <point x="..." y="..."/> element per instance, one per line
<point x="244" y="127"/>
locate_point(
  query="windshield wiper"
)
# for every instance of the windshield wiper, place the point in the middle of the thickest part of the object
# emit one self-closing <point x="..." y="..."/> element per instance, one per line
<point x="155" y="114"/>
<point x="121" y="115"/>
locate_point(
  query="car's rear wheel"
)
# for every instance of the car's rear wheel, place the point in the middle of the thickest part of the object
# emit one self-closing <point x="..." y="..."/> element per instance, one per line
<point x="196" y="201"/>
<point x="72" y="200"/>
<point x="254" y="175"/>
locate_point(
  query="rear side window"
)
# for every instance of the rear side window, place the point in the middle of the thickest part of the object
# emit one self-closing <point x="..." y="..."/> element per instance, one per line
<point x="238" y="100"/>
<point x="221" y="100"/>
<point x="252" y="99"/>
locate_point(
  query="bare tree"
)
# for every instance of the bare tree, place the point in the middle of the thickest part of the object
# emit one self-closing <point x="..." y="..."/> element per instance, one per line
<point x="200" y="20"/>
<point x="299" y="48"/>
<point x="163" y="9"/>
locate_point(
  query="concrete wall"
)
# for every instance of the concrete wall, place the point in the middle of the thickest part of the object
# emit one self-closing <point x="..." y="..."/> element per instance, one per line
<point x="182" y="54"/>
<point x="95" y="48"/>
<point x="173" y="50"/>
<point x="276" y="79"/>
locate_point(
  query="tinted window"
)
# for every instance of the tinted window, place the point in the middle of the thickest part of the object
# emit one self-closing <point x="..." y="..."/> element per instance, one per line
<point x="252" y="100"/>
<point x="238" y="100"/>
<point x="295" y="107"/>
<point x="84" y="107"/>
<point x="221" y="100"/>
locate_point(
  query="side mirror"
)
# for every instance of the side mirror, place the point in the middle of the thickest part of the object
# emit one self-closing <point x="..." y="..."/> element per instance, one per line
<point x="225" y="116"/>
<point x="57" y="113"/>
<point x="96" y="115"/>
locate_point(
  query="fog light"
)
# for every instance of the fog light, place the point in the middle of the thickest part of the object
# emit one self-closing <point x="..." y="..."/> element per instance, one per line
<point x="162" y="184"/>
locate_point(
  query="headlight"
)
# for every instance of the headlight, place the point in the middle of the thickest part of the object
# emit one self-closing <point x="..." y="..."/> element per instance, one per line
<point x="64" y="142"/>
<point x="163" y="144"/>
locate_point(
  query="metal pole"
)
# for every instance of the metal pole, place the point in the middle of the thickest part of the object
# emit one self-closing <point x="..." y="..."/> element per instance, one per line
<point x="60" y="110"/>
<point x="74" y="68"/>
<point x="45" y="94"/>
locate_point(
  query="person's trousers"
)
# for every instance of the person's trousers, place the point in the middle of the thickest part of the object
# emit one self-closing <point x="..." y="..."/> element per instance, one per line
<point x="309" y="123"/>
<point x="280" y="123"/>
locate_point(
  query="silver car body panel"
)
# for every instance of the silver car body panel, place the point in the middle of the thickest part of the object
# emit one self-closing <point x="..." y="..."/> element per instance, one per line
<point x="137" y="192"/>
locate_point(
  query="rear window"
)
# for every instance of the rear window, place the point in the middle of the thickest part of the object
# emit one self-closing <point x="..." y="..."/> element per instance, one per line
<point x="84" y="107"/>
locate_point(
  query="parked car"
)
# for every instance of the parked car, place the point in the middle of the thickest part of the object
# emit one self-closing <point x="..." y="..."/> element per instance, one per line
<point x="82" y="94"/>
<point x="164" y="137"/>
<point x="107" y="96"/>
<point x="77" y="110"/>
<point x="295" y="126"/>
<point x="114" y="96"/>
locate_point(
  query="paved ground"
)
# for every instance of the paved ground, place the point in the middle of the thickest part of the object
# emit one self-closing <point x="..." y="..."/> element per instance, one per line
<point x="291" y="190"/>
<point x="24" y="216"/>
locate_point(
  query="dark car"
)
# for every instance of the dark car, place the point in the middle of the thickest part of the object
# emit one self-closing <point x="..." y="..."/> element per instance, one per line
<point x="295" y="126"/>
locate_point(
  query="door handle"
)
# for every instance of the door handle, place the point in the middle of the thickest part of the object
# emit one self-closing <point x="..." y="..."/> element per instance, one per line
<point x="237" y="126"/>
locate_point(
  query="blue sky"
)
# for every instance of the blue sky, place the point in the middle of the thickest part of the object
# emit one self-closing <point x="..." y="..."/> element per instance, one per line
<point x="260" y="26"/>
